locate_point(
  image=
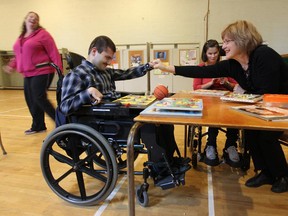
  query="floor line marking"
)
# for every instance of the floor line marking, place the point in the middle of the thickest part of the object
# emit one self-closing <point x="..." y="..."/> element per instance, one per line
<point x="102" y="208"/>
<point x="211" y="209"/>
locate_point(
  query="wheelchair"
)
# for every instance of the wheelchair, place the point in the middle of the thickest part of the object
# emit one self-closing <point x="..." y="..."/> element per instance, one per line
<point x="193" y="142"/>
<point x="81" y="160"/>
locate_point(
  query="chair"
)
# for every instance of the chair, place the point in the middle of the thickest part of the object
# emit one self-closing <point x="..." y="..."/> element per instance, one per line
<point x="73" y="59"/>
<point x="90" y="151"/>
<point x="2" y="147"/>
<point x="193" y="141"/>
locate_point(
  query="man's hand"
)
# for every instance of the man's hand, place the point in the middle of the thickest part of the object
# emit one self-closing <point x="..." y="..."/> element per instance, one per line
<point x="95" y="95"/>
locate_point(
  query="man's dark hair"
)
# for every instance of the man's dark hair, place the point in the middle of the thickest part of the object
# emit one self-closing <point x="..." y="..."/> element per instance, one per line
<point x="101" y="43"/>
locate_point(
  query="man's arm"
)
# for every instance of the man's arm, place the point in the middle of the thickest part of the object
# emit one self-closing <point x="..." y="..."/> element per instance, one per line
<point x="77" y="89"/>
<point x="131" y="73"/>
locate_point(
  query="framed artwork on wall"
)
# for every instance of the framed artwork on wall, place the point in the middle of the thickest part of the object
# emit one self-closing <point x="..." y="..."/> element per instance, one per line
<point x="162" y="54"/>
<point x="187" y="57"/>
<point x="136" y="57"/>
<point x="116" y="60"/>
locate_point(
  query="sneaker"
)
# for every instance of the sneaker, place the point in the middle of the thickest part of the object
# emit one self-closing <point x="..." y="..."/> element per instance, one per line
<point x="280" y="185"/>
<point x="210" y="153"/>
<point x="30" y="131"/>
<point x="233" y="154"/>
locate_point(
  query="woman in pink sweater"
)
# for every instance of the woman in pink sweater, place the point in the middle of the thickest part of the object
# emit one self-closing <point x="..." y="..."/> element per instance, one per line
<point x="34" y="46"/>
<point x="211" y="55"/>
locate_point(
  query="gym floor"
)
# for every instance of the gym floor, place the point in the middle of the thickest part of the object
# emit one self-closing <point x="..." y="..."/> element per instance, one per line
<point x="207" y="191"/>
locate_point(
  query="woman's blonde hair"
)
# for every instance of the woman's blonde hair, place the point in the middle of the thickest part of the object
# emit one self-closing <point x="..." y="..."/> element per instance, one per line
<point x="244" y="34"/>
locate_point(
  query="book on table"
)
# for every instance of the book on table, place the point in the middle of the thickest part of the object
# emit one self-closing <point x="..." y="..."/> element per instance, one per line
<point x="209" y="92"/>
<point x="243" y="98"/>
<point x="140" y="101"/>
<point x="175" y="107"/>
<point x="268" y="113"/>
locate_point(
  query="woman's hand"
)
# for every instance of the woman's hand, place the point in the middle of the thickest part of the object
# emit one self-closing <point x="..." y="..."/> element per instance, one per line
<point x="157" y="64"/>
<point x="7" y="69"/>
<point x="238" y="89"/>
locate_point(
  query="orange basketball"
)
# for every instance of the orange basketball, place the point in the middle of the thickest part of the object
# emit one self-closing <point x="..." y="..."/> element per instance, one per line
<point x="161" y="92"/>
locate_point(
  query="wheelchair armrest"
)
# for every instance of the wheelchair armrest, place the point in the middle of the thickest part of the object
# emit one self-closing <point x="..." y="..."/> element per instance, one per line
<point x="124" y="93"/>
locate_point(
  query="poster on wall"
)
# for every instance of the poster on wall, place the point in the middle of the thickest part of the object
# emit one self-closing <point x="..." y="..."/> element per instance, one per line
<point x="163" y="55"/>
<point x="187" y="57"/>
<point x="136" y="57"/>
<point x="115" y="64"/>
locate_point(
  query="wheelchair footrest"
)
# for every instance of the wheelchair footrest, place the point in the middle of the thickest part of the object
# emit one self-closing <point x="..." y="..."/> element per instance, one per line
<point x="170" y="181"/>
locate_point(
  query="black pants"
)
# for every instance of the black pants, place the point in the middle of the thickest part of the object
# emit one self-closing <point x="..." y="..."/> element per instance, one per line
<point x="160" y="141"/>
<point x="266" y="151"/>
<point x="35" y="91"/>
<point x="231" y="137"/>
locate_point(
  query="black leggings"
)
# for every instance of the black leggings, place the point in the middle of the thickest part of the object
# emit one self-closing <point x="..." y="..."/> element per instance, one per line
<point x="35" y="91"/>
<point x="266" y="151"/>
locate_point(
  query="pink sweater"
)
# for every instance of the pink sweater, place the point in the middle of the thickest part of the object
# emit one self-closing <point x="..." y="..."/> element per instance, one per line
<point x="39" y="47"/>
<point x="198" y="82"/>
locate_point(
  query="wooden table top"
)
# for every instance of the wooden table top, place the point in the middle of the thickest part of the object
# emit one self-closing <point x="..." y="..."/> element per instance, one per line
<point x="216" y="113"/>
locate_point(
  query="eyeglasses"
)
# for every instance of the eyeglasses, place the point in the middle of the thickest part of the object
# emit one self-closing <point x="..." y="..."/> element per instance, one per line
<point x="227" y="41"/>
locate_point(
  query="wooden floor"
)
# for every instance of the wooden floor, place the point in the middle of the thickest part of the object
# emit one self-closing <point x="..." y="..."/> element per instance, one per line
<point x="208" y="191"/>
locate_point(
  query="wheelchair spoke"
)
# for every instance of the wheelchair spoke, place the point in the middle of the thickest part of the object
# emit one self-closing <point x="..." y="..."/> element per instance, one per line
<point x="61" y="158"/>
<point x="56" y="181"/>
<point x="81" y="185"/>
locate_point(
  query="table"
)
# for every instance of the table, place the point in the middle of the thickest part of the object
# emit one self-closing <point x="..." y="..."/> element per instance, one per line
<point x="216" y="113"/>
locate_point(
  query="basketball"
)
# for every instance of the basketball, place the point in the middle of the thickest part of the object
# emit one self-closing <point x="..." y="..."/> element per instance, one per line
<point x="161" y="92"/>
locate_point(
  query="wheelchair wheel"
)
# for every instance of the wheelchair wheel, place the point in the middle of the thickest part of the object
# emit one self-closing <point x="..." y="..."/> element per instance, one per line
<point x="67" y="163"/>
<point x="142" y="196"/>
<point x="121" y="156"/>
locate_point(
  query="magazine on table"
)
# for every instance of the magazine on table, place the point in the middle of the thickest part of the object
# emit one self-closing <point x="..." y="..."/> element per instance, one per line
<point x="175" y="106"/>
<point x="209" y="92"/>
<point x="268" y="113"/>
<point x="244" y="98"/>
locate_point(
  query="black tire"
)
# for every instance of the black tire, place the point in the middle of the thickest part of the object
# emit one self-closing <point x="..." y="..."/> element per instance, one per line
<point x="142" y="196"/>
<point x="67" y="163"/>
<point x="194" y="160"/>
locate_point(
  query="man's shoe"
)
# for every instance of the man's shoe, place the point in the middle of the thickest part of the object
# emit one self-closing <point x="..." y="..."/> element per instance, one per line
<point x="280" y="185"/>
<point x="30" y="131"/>
<point x="259" y="180"/>
<point x="181" y="160"/>
<point x="181" y="169"/>
<point x="233" y="154"/>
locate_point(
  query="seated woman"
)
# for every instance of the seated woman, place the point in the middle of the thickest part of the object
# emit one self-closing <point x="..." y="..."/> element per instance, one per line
<point x="211" y="55"/>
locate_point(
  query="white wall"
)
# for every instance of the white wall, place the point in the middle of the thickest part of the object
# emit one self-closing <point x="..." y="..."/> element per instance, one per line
<point x="75" y="23"/>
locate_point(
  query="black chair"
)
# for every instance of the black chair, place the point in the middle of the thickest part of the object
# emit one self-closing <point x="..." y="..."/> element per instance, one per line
<point x="73" y="59"/>
<point x="193" y="141"/>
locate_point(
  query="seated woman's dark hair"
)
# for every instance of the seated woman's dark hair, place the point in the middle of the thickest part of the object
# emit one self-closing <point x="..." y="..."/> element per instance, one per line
<point x="207" y="45"/>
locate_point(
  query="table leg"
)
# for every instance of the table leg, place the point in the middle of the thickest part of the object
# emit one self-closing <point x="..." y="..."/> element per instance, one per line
<point x="130" y="166"/>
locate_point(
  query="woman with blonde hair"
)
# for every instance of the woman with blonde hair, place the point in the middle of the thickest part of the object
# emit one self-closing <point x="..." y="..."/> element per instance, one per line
<point x="258" y="69"/>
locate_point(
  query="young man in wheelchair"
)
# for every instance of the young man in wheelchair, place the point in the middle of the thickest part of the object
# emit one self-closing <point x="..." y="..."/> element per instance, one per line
<point x="92" y="82"/>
